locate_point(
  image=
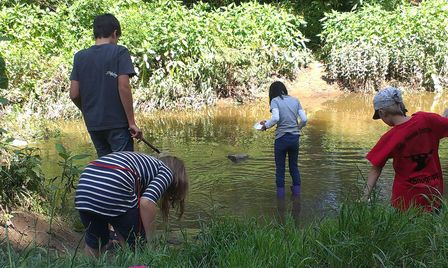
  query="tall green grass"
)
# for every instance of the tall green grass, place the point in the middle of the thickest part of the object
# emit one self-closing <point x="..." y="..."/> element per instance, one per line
<point x="360" y="235"/>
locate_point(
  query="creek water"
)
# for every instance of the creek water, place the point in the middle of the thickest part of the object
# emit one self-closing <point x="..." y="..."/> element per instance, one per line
<point x="332" y="161"/>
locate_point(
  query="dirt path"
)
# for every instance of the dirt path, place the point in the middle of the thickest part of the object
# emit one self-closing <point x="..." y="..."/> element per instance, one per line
<point x="312" y="89"/>
<point x="27" y="228"/>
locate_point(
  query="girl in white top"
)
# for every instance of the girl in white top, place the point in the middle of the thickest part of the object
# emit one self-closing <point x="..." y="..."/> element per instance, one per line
<point x="285" y="110"/>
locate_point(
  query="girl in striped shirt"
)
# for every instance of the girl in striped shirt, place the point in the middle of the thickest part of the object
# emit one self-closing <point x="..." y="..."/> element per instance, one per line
<point x="122" y="189"/>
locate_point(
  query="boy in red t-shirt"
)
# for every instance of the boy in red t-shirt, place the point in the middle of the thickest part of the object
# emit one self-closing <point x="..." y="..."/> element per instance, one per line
<point x="413" y="143"/>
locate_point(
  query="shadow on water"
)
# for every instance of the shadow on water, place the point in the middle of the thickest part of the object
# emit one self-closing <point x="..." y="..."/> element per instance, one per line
<point x="289" y="207"/>
<point x="332" y="148"/>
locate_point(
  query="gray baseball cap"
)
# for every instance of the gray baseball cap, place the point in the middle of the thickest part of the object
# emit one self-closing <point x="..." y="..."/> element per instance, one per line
<point x="384" y="98"/>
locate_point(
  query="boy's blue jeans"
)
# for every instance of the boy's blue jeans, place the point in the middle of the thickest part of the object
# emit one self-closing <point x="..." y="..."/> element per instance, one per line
<point x="112" y="140"/>
<point x="286" y="144"/>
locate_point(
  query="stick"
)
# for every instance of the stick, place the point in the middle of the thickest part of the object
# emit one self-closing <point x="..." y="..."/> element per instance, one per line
<point x="149" y="144"/>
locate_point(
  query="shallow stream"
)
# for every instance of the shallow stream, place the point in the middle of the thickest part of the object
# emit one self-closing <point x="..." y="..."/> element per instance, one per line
<point x="331" y="161"/>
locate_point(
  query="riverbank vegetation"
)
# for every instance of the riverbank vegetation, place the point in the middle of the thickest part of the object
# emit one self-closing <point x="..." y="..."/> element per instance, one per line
<point x="373" y="46"/>
<point x="21" y="177"/>
<point x="185" y="57"/>
<point x="188" y="54"/>
<point x="361" y="235"/>
<point x="25" y="186"/>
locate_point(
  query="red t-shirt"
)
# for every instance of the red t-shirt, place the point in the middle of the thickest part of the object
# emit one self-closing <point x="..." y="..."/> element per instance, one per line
<point x="414" y="147"/>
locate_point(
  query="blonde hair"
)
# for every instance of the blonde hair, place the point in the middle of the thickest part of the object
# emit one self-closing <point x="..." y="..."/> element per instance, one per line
<point x="176" y="193"/>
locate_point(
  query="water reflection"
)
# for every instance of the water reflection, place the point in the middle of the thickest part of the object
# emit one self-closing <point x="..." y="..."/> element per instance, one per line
<point x="283" y="213"/>
<point x="332" y="151"/>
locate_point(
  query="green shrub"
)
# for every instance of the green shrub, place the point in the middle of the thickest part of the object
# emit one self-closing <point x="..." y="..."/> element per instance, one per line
<point x="200" y="55"/>
<point x="359" y="66"/>
<point x="3" y="77"/>
<point x="185" y="57"/>
<point x="412" y="41"/>
<point x="20" y="173"/>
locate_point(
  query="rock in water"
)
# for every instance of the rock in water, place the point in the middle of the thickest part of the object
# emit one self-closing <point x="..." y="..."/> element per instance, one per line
<point x="235" y="158"/>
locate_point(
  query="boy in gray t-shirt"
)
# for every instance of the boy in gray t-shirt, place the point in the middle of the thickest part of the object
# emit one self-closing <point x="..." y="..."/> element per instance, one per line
<point x="100" y="88"/>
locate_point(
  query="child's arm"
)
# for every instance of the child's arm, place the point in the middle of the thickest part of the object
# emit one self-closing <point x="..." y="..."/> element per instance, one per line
<point x="124" y="90"/>
<point x="372" y="178"/>
<point x="74" y="85"/>
<point x="303" y="118"/>
<point x="74" y="93"/>
<point x="438" y="123"/>
<point x="271" y="122"/>
<point x="148" y="212"/>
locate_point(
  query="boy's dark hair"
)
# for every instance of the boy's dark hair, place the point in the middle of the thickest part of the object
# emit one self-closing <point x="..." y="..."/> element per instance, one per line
<point x="105" y="25"/>
<point x="277" y="89"/>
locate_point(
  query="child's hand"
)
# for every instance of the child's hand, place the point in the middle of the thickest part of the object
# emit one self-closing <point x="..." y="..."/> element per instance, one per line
<point x="136" y="133"/>
<point x="263" y="123"/>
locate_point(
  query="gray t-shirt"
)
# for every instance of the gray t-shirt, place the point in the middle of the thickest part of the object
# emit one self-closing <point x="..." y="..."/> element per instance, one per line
<point x="97" y="69"/>
<point x="288" y="109"/>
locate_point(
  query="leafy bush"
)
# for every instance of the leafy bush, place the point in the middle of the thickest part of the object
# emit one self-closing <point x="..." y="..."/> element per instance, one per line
<point x="3" y="77"/>
<point x="20" y="173"/>
<point x="186" y="57"/>
<point x="70" y="174"/>
<point x="201" y="55"/>
<point x="359" y="66"/>
<point x="409" y="43"/>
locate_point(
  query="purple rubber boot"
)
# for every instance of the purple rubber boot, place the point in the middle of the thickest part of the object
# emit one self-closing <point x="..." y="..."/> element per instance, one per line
<point x="280" y="192"/>
<point x="295" y="189"/>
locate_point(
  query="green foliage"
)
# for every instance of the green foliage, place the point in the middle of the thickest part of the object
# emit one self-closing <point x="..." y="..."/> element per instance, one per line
<point x="313" y="12"/>
<point x="46" y="4"/>
<point x="365" y="48"/>
<point x="69" y="176"/>
<point x="3" y="77"/>
<point x="361" y="235"/>
<point x="186" y="57"/>
<point x="38" y="49"/>
<point x="20" y="173"/>
<point x="200" y="55"/>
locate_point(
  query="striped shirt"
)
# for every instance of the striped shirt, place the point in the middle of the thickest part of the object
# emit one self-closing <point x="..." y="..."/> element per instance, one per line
<point x="108" y="186"/>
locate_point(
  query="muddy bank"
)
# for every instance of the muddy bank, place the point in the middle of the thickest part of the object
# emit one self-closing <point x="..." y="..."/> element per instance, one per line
<point x="28" y="228"/>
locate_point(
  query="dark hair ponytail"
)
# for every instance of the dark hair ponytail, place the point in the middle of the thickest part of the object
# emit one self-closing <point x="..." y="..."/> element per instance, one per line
<point x="277" y="89"/>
